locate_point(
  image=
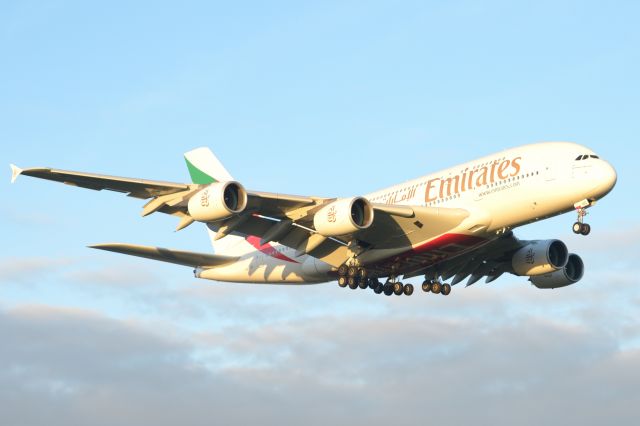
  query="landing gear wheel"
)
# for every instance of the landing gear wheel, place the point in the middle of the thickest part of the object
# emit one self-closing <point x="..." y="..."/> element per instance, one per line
<point x="426" y="286"/>
<point x="373" y="283"/>
<point x="436" y="287"/>
<point x="398" y="288"/>
<point x="353" y="284"/>
<point x="577" y="228"/>
<point x="364" y="283"/>
<point x="362" y="273"/>
<point x="388" y="289"/>
<point x="342" y="281"/>
<point x="378" y="289"/>
<point x="446" y="289"/>
<point x="408" y="289"/>
<point x="352" y="271"/>
<point x="342" y="270"/>
<point x="586" y="229"/>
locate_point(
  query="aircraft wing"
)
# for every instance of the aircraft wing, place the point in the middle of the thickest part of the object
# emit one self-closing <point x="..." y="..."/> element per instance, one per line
<point x="395" y="230"/>
<point x="287" y="219"/>
<point x="491" y="260"/>
<point x="179" y="257"/>
<point x="138" y="188"/>
<point x="166" y="197"/>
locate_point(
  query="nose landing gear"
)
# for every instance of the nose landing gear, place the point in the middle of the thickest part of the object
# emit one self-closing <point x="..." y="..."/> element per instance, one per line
<point x="579" y="227"/>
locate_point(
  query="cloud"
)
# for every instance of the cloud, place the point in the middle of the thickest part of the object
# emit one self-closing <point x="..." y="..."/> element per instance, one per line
<point x="179" y="350"/>
<point x="113" y="275"/>
<point x="29" y="269"/>
<point x="69" y="366"/>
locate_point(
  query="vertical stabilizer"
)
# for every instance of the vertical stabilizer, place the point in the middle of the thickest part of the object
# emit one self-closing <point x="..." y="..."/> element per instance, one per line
<point x="204" y="167"/>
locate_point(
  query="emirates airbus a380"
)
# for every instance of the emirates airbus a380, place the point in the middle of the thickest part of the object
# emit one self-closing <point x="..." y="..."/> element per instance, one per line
<point x="454" y="224"/>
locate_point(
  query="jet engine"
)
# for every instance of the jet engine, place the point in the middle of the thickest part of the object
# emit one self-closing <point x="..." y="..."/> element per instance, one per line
<point x="217" y="201"/>
<point x="540" y="257"/>
<point x="343" y="217"/>
<point x="570" y="274"/>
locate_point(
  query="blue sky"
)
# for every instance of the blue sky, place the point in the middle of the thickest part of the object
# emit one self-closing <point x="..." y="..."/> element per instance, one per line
<point x="329" y="99"/>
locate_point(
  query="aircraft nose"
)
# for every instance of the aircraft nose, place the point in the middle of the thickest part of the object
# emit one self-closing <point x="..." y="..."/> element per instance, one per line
<point x="610" y="177"/>
<point x="607" y="177"/>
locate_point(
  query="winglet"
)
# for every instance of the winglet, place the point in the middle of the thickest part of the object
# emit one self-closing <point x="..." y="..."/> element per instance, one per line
<point x="15" y="172"/>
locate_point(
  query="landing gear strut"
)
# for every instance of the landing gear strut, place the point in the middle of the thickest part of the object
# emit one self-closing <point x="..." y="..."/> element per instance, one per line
<point x="580" y="227"/>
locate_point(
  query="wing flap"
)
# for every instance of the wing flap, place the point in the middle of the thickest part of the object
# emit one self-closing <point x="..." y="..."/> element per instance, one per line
<point x="281" y="205"/>
<point x="186" y="258"/>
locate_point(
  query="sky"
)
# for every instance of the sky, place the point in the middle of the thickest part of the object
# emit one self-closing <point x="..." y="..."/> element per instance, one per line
<point x="315" y="98"/>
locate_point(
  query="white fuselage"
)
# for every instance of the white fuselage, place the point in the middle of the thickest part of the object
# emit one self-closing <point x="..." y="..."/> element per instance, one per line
<point x="500" y="191"/>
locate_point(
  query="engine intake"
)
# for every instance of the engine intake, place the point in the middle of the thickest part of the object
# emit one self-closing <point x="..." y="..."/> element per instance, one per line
<point x="343" y="217"/>
<point x="570" y="274"/>
<point x="218" y="201"/>
<point x="540" y="257"/>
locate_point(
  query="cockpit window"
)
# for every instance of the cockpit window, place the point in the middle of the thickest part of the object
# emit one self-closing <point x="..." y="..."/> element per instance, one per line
<point x="584" y="157"/>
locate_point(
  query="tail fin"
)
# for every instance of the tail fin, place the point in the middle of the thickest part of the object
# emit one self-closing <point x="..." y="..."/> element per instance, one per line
<point x="204" y="167"/>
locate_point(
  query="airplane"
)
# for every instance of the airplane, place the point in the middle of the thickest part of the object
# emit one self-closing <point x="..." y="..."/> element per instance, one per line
<point x="454" y="224"/>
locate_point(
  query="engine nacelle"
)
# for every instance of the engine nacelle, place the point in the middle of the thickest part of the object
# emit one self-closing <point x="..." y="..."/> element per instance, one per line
<point x="540" y="257"/>
<point x="218" y="201"/>
<point x="570" y="274"/>
<point x="343" y="217"/>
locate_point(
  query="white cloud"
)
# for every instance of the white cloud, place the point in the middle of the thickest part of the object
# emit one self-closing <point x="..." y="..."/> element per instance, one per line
<point x="29" y="269"/>
<point x="81" y="367"/>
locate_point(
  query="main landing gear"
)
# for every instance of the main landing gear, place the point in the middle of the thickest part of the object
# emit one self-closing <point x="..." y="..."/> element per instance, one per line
<point x="580" y="227"/>
<point x="436" y="287"/>
<point x="358" y="277"/>
<point x="393" y="286"/>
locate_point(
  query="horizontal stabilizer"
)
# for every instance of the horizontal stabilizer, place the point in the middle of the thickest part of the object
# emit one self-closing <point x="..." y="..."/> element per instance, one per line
<point x="179" y="257"/>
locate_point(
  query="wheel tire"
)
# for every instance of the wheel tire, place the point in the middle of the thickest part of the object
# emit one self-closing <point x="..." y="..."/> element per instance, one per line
<point x="364" y="283"/>
<point x="577" y="228"/>
<point x="378" y="289"/>
<point x="426" y="286"/>
<point x="352" y="271"/>
<point x="342" y="281"/>
<point x="373" y="283"/>
<point x="387" y="288"/>
<point x="408" y="289"/>
<point x="352" y="283"/>
<point x="362" y="273"/>
<point x="446" y="289"/>
<point x="586" y="229"/>
<point x="398" y="288"/>
<point x="342" y="270"/>
<point x="436" y="287"/>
